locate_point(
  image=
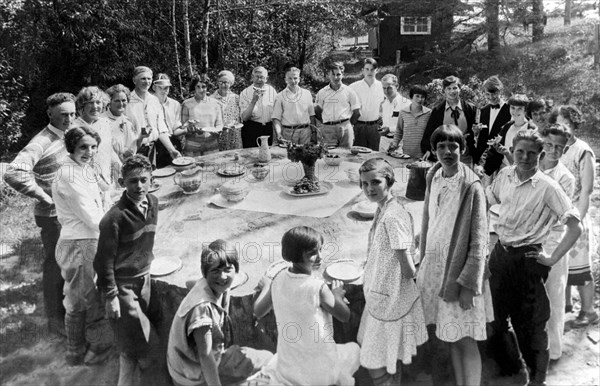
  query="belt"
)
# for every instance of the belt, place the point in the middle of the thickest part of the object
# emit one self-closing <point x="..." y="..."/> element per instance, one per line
<point x="336" y="122"/>
<point x="389" y="136"/>
<point x="294" y="127"/>
<point x="369" y="122"/>
<point x="259" y="123"/>
<point x="522" y="248"/>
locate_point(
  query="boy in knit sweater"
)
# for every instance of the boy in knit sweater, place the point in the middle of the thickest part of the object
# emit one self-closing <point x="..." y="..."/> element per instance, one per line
<point x="122" y="263"/>
<point x="31" y="173"/>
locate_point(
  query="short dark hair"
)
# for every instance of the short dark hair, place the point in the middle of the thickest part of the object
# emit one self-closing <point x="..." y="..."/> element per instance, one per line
<point x="529" y="135"/>
<point x="221" y="251"/>
<point x="336" y="66"/>
<point x="556" y="129"/>
<point x="299" y="240"/>
<point x="136" y="161"/>
<point x="570" y="113"/>
<point x="203" y="78"/>
<point x="370" y="61"/>
<point x="447" y="133"/>
<point x="536" y="105"/>
<point x="59" y="98"/>
<point x="381" y="166"/>
<point x="493" y="84"/>
<point x="418" y="90"/>
<point x="76" y="132"/>
<point x="519" y="100"/>
<point x="449" y="80"/>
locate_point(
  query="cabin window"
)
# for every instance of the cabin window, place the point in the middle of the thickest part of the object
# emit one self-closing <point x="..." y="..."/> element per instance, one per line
<point x="415" y="25"/>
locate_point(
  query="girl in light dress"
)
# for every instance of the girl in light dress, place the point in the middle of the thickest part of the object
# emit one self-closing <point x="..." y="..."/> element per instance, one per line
<point x="392" y="324"/>
<point x="579" y="158"/>
<point x="303" y="305"/>
<point x="452" y="278"/>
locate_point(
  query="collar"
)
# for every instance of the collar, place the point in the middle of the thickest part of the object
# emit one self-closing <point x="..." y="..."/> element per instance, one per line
<point x="369" y="86"/>
<point x="59" y="133"/>
<point x="534" y="178"/>
<point x="292" y="92"/>
<point x="339" y="89"/>
<point x="458" y="106"/>
<point x="200" y="293"/>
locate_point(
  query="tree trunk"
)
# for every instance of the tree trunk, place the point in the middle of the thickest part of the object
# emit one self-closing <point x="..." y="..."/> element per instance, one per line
<point x="186" y="38"/>
<point x="204" y="38"/>
<point x="493" y="30"/>
<point x="174" y="32"/>
<point x="567" y="12"/>
<point x="537" y="14"/>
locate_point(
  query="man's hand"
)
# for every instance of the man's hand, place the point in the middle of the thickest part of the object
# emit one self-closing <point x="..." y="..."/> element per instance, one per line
<point x="384" y="130"/>
<point x="257" y="94"/>
<point x="47" y="200"/>
<point x="391" y="148"/>
<point x="174" y="153"/>
<point x="541" y="258"/>
<point x="477" y="128"/>
<point x="113" y="309"/>
<point x="465" y="298"/>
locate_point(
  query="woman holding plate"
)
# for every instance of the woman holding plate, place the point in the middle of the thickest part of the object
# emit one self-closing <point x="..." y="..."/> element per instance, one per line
<point x="231" y="136"/>
<point x="202" y="118"/>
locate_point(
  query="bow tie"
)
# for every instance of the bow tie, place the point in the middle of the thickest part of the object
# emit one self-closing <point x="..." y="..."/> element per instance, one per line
<point x="497" y="106"/>
<point x="455" y="113"/>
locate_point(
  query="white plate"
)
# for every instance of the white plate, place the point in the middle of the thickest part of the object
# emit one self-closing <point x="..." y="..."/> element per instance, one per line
<point x="365" y="209"/>
<point x="399" y="155"/>
<point x="495" y="209"/>
<point x="154" y="187"/>
<point x="346" y="271"/>
<point x="211" y="129"/>
<point x="277" y="267"/>
<point x="162" y="266"/>
<point x="362" y="149"/>
<point x="232" y="171"/>
<point x="183" y="161"/>
<point x="240" y="278"/>
<point x="235" y="125"/>
<point x="164" y="172"/>
<point x="325" y="188"/>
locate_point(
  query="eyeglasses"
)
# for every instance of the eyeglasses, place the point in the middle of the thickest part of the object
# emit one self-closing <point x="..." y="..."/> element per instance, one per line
<point x="223" y="82"/>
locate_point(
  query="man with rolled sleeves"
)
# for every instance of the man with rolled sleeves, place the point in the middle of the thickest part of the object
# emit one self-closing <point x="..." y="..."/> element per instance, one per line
<point x="370" y="94"/>
<point x="147" y="115"/>
<point x="337" y="107"/>
<point x="32" y="173"/>
<point x="294" y="112"/>
<point x="256" y="105"/>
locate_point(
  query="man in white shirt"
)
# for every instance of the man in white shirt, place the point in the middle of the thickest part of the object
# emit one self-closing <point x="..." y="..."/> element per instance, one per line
<point x="337" y="107"/>
<point x="370" y="94"/>
<point x="390" y="111"/>
<point x="256" y="105"/>
<point x="293" y="113"/>
<point x="146" y="113"/>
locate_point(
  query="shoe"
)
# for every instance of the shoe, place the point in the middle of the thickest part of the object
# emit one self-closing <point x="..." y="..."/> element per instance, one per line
<point x="95" y="358"/>
<point x="57" y="327"/>
<point x="585" y="319"/>
<point x="568" y="308"/>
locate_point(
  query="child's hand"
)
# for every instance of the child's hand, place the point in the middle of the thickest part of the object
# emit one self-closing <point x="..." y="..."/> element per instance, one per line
<point x="337" y="287"/>
<point x="113" y="309"/>
<point x="465" y="299"/>
<point x="264" y="282"/>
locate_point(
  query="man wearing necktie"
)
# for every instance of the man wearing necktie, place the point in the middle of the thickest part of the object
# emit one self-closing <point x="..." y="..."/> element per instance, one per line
<point x="452" y="111"/>
<point x="493" y="116"/>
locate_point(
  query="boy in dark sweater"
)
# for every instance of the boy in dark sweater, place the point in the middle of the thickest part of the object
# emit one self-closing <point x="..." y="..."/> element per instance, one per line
<point x="122" y="263"/>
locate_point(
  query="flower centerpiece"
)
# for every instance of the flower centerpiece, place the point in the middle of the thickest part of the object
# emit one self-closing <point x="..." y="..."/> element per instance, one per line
<point x="308" y="154"/>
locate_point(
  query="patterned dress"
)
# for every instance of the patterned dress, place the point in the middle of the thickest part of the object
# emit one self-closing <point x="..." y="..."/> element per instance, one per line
<point x="580" y="255"/>
<point x="452" y="322"/>
<point x="392" y="324"/>
<point x="230" y="138"/>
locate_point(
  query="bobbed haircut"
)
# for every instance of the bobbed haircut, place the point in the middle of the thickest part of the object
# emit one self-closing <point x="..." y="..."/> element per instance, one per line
<point x="417" y="89"/>
<point x="381" y="166"/>
<point x="519" y="100"/>
<point x="449" y="133"/>
<point x="136" y="161"/>
<point x="203" y="78"/>
<point x="299" y="240"/>
<point x="493" y="84"/>
<point x="451" y="79"/>
<point x="556" y="129"/>
<point x="76" y="132"/>
<point x="221" y="251"/>
<point x="529" y="135"/>
<point x="59" y="98"/>
<point x="88" y="94"/>
<point x="535" y="105"/>
<point x="117" y="88"/>
<point x="570" y="113"/>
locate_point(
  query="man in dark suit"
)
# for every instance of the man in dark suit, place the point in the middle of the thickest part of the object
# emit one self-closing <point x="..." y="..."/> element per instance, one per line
<point x="493" y="116"/>
<point x="453" y="111"/>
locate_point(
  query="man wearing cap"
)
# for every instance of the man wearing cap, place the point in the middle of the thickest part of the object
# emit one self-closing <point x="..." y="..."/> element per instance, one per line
<point x="293" y="113"/>
<point x="146" y="113"/>
<point x="337" y="107"/>
<point x="172" y="111"/>
<point x="256" y="105"/>
<point x="370" y="94"/>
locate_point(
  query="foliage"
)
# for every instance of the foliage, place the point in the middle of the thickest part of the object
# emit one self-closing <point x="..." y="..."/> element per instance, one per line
<point x="470" y="91"/>
<point x="307" y="153"/>
<point x="13" y="104"/>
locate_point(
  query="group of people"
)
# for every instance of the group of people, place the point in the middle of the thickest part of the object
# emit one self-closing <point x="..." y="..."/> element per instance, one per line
<point x="98" y="255"/>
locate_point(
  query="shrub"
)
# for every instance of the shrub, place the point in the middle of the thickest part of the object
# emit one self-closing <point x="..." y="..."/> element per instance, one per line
<point x="13" y="105"/>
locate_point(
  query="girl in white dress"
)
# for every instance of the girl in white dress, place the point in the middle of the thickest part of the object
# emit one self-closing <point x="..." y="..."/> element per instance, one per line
<point x="303" y="305"/>
<point x="392" y="324"/>
<point x="453" y="275"/>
